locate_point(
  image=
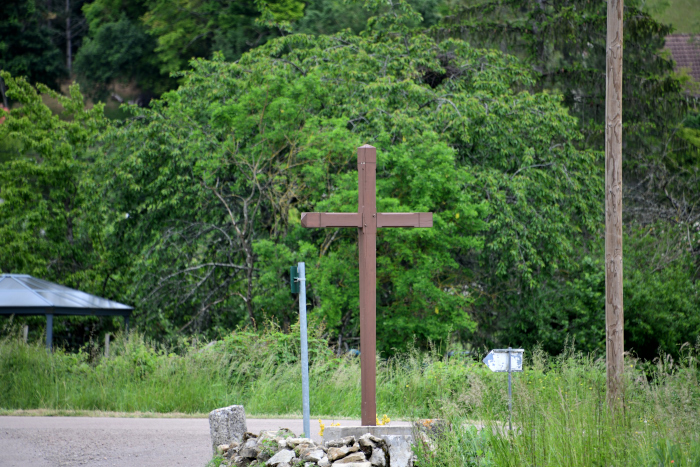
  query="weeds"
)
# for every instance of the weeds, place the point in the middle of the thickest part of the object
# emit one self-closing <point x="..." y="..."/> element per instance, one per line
<point x="560" y="415"/>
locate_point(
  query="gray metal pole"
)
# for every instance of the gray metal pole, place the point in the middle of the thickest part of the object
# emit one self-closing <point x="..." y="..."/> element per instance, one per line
<point x="107" y="345"/>
<point x="126" y="324"/>
<point x="49" y="332"/>
<point x="25" y="333"/>
<point x="304" y="351"/>
<point x="510" y="396"/>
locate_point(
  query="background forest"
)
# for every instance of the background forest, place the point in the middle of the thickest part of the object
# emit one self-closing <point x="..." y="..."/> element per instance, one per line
<point x="185" y="202"/>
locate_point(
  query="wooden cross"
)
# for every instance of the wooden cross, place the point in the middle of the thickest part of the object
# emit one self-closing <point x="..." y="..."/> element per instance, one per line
<point x="366" y="220"/>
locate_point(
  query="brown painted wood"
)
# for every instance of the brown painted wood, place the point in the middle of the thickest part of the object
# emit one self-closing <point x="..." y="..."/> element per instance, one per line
<point x="614" y="318"/>
<point x="367" y="219"/>
<point x="367" y="204"/>
<point x="404" y="219"/>
<point x="331" y="219"/>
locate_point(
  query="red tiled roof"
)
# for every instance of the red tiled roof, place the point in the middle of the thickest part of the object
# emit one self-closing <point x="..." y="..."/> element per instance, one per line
<point x="685" y="49"/>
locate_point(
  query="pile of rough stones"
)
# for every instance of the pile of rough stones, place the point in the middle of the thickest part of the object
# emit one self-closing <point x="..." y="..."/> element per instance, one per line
<point x="282" y="449"/>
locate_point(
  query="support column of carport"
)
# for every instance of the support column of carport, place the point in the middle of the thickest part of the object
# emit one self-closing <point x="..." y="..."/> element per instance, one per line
<point x="49" y="331"/>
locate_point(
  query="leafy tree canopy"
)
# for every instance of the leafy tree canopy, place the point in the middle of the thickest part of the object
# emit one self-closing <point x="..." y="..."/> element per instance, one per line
<point x="564" y="43"/>
<point x="26" y="46"/>
<point x="43" y="223"/>
<point x="206" y="188"/>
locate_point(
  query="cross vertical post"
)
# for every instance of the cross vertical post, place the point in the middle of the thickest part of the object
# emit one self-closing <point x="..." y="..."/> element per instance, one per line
<point x="366" y="220"/>
<point x="367" y="207"/>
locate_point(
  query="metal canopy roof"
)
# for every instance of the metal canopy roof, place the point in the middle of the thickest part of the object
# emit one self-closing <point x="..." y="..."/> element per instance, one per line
<point x="22" y="294"/>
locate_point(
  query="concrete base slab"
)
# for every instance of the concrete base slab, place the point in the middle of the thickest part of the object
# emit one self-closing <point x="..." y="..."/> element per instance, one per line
<point x="337" y="432"/>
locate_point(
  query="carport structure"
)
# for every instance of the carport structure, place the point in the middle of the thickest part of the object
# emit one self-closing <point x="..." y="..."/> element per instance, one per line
<point x="21" y="294"/>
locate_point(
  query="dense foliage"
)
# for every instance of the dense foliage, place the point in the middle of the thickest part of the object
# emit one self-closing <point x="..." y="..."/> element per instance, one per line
<point x="44" y="229"/>
<point x="565" y="43"/>
<point x="213" y="179"/>
<point x="189" y="209"/>
<point x="26" y="46"/>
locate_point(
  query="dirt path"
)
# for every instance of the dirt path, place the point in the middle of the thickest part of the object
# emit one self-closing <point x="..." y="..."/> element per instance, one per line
<point x="106" y="441"/>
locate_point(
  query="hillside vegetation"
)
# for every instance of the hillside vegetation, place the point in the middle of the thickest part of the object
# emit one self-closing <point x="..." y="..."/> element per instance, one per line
<point x="683" y="15"/>
<point x="487" y="114"/>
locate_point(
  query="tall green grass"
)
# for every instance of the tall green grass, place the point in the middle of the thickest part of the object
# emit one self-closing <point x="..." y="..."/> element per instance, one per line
<point x="560" y="415"/>
<point x="257" y="369"/>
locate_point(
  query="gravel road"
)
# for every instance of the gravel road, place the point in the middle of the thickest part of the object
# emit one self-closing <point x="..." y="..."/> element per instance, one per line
<point x="107" y="441"/>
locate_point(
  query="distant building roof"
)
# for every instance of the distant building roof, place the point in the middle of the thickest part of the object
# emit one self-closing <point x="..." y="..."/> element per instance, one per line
<point x="685" y="49"/>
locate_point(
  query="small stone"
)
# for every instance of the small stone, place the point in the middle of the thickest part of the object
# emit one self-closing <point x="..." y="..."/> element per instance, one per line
<point x="283" y="456"/>
<point x="285" y="433"/>
<point x="338" y="453"/>
<point x="366" y="441"/>
<point x="347" y="441"/>
<point x="267" y="435"/>
<point x="222" y="448"/>
<point x="264" y="455"/>
<point x="240" y="461"/>
<point x="312" y="455"/>
<point x="378" y="458"/>
<point x="249" y="449"/>
<point x="400" y="453"/>
<point x="302" y="449"/>
<point x="294" y="442"/>
<point x="350" y="458"/>
<point x="324" y="462"/>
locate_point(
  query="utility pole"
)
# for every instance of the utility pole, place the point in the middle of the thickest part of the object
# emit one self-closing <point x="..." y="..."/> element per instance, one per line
<point x="614" y="317"/>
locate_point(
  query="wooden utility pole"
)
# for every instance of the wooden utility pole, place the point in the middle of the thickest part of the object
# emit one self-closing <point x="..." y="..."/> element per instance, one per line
<point x="367" y="220"/>
<point x="614" y="317"/>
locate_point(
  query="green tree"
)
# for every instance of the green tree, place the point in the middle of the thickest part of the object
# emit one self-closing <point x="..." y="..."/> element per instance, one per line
<point x="214" y="177"/>
<point x="185" y="29"/>
<point x="564" y="43"/>
<point x="661" y="298"/>
<point x="44" y="228"/>
<point x="26" y="46"/>
<point x="118" y="49"/>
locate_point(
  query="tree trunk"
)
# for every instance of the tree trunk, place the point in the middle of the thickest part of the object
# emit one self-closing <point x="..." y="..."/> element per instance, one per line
<point x="249" y="287"/>
<point x="4" y="96"/>
<point x="614" y="317"/>
<point x="69" y="40"/>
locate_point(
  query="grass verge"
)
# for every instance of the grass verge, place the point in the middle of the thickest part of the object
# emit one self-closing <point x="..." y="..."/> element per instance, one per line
<point x="560" y="413"/>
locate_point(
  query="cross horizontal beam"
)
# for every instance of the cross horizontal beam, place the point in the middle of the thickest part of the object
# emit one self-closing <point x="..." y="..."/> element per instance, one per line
<point x="367" y="220"/>
<point x="354" y="219"/>
<point x="404" y="219"/>
<point x="331" y="219"/>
